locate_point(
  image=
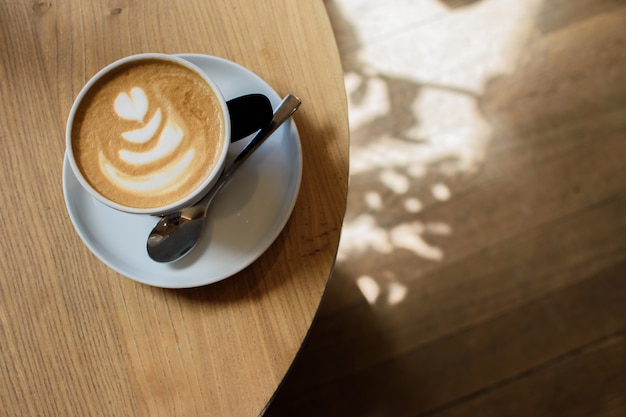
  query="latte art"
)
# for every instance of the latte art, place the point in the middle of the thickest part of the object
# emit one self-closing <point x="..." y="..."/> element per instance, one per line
<point x="164" y="178"/>
<point x="149" y="134"/>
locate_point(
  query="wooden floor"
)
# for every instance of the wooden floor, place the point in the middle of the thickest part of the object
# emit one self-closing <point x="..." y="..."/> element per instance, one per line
<point x="483" y="268"/>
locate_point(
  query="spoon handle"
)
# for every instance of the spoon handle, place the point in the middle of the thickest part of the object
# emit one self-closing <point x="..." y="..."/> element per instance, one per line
<point x="285" y="109"/>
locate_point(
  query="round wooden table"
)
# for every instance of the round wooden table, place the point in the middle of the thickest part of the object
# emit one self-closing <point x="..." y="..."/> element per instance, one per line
<point x="76" y="337"/>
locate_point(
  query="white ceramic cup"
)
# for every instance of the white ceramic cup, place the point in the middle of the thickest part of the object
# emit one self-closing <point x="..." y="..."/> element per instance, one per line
<point x="208" y="181"/>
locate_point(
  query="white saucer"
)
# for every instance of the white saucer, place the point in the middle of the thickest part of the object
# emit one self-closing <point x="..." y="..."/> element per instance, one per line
<point x="244" y="220"/>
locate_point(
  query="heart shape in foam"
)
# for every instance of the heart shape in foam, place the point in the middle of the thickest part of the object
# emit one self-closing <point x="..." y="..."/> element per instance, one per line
<point x="133" y="106"/>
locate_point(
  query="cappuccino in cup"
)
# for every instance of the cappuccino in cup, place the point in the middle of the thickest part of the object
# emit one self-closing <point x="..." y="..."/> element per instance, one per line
<point x="148" y="134"/>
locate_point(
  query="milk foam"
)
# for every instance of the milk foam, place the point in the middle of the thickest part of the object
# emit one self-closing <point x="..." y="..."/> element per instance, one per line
<point x="148" y="134"/>
<point x="170" y="138"/>
<point x="145" y="133"/>
<point x="164" y="180"/>
<point x="134" y="106"/>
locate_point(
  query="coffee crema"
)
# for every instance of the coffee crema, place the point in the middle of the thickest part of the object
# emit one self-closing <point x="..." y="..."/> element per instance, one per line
<point x="148" y="134"/>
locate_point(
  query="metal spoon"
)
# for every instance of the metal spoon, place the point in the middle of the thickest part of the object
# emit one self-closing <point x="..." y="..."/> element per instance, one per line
<point x="177" y="233"/>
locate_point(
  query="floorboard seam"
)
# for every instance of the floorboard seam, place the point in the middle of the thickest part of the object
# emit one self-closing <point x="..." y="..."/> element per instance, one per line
<point x="589" y="347"/>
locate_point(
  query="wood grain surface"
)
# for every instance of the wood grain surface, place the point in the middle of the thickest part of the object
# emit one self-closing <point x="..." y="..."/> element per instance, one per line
<point x="78" y="339"/>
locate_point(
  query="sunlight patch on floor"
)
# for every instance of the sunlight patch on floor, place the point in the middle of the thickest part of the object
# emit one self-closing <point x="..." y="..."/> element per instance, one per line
<point x="415" y="70"/>
<point x="371" y="289"/>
